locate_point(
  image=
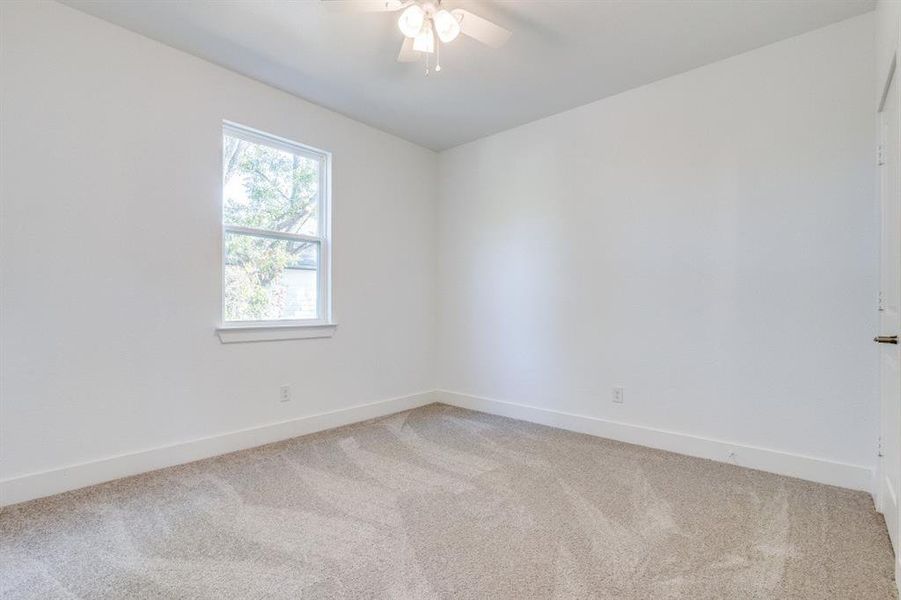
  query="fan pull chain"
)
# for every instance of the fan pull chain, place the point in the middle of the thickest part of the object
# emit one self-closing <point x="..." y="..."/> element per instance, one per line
<point x="437" y="54"/>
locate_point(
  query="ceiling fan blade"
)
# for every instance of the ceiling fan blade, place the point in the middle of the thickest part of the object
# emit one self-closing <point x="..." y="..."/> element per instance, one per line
<point x="407" y="54"/>
<point x="363" y="5"/>
<point x="481" y="29"/>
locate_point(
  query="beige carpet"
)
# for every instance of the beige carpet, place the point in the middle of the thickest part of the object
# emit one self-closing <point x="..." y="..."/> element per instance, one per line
<point x="441" y="502"/>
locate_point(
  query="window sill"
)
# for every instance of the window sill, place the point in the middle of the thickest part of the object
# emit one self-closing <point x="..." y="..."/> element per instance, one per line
<point x="233" y="334"/>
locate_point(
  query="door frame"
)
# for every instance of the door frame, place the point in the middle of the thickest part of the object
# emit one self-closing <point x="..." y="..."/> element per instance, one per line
<point x="881" y="492"/>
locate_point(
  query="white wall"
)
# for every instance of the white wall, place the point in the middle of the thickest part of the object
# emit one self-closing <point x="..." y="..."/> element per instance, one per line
<point x="708" y="241"/>
<point x="110" y="263"/>
<point x="888" y="21"/>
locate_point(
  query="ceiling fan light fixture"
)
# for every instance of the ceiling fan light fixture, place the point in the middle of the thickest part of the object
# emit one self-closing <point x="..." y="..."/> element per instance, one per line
<point x="446" y="26"/>
<point x="411" y="21"/>
<point x="425" y="39"/>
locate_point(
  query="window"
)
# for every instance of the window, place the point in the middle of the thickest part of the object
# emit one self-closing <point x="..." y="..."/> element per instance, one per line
<point x="275" y="233"/>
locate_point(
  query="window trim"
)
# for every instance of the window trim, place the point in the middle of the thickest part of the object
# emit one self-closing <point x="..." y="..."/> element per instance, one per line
<point x="279" y="329"/>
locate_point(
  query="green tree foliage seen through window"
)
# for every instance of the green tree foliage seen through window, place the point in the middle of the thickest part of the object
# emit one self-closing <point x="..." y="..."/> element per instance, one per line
<point x="269" y="189"/>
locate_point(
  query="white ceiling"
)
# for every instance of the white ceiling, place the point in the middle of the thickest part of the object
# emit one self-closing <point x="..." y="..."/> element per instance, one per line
<point x="562" y="53"/>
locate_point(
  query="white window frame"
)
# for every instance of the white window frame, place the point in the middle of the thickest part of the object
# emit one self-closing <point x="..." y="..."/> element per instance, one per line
<point x="282" y="329"/>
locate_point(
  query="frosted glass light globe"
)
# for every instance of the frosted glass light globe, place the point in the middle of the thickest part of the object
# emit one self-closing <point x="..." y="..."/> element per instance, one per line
<point x="446" y="26"/>
<point x="410" y="21"/>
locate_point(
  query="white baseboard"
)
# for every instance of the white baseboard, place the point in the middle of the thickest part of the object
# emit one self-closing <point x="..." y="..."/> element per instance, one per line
<point x="47" y="483"/>
<point x="855" y="477"/>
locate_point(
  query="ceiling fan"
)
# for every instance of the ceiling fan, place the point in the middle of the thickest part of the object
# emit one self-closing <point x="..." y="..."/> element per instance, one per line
<point x="426" y="25"/>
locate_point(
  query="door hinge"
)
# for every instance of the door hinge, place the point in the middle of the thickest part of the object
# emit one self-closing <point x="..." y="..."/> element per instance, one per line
<point x="879" y="446"/>
<point x="880" y="154"/>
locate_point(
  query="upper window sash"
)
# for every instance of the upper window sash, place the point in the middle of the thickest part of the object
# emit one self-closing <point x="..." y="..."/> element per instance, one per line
<point x="322" y="158"/>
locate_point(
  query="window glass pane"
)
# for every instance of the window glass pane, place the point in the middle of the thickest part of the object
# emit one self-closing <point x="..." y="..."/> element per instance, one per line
<point x="268" y="279"/>
<point x="269" y="188"/>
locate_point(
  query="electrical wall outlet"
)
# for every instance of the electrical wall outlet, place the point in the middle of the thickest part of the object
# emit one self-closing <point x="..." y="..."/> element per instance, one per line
<point x="618" y="395"/>
<point x="284" y="394"/>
